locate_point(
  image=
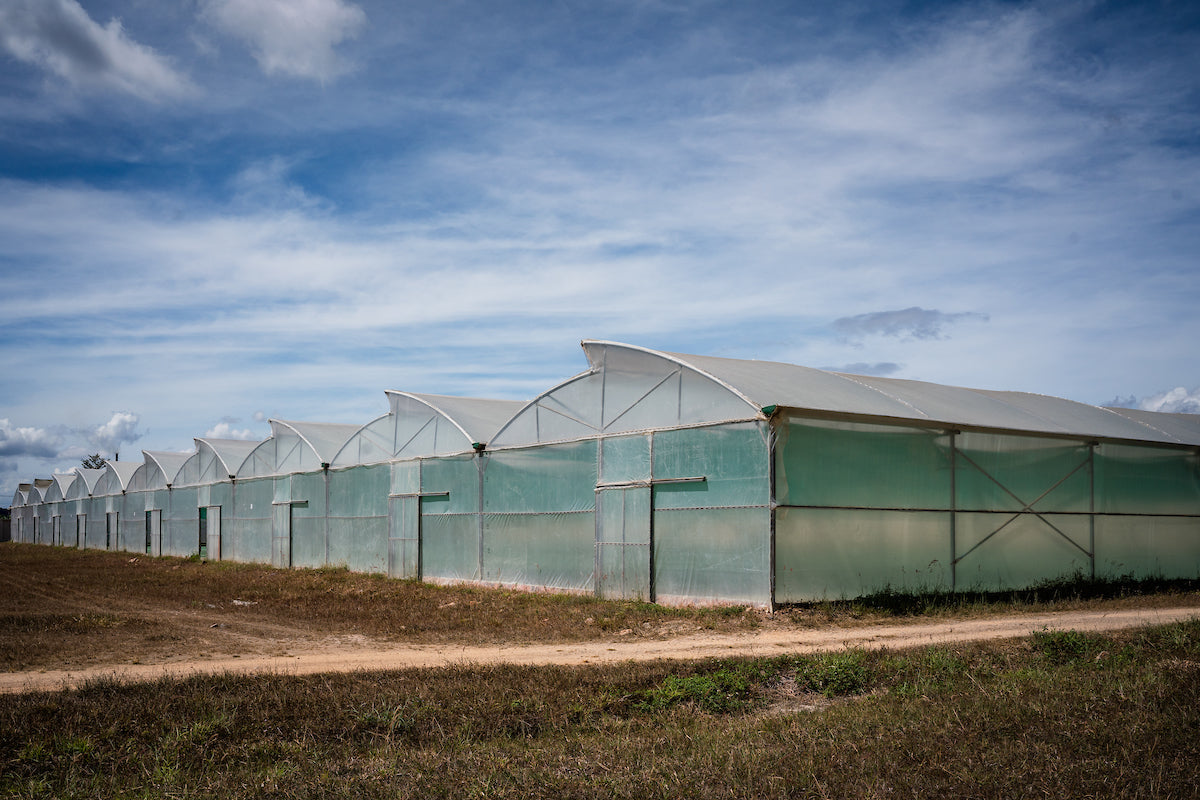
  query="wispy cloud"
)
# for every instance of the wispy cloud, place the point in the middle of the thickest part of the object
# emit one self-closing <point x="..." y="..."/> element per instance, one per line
<point x="291" y="37"/>
<point x="60" y="37"/>
<point x="907" y="323"/>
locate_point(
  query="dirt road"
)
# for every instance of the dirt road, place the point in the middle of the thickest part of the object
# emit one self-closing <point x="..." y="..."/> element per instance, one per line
<point x="305" y="658"/>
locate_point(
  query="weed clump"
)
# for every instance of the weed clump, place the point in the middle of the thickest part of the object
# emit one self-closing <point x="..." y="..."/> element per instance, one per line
<point x="719" y="692"/>
<point x="1066" y="647"/>
<point x="834" y="674"/>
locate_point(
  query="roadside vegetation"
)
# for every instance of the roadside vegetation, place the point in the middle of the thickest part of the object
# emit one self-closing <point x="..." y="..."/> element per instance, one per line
<point x="1056" y="714"/>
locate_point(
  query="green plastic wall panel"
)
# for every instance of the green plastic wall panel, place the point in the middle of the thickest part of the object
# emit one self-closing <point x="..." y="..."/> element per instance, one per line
<point x="247" y="537"/>
<point x="709" y="555"/>
<point x="867" y="466"/>
<point x="450" y="546"/>
<point x="828" y="554"/>
<point x="308" y="492"/>
<point x="559" y="477"/>
<point x="181" y="523"/>
<point x="543" y="551"/>
<point x="1024" y="552"/>
<point x="1147" y="547"/>
<point x="457" y="475"/>
<point x="1006" y="473"/>
<point x="359" y="491"/>
<point x="625" y="458"/>
<point x="406" y="477"/>
<point x="733" y="459"/>
<point x="1147" y="480"/>
<point x="359" y="544"/>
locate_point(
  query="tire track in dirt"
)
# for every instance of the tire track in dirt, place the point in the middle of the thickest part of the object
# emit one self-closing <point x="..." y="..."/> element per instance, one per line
<point x="308" y="659"/>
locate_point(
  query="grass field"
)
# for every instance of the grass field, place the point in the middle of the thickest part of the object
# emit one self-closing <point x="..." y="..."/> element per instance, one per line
<point x="1058" y="713"/>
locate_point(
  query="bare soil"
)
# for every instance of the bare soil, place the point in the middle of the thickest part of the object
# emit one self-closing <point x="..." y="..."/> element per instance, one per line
<point x="68" y="617"/>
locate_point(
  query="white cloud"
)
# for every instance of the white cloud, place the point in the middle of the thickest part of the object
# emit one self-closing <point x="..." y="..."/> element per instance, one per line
<point x="291" y="37"/>
<point x="60" y="37"/>
<point x="1177" y="401"/>
<point x="224" y="430"/>
<point x="121" y="427"/>
<point x="28" y="441"/>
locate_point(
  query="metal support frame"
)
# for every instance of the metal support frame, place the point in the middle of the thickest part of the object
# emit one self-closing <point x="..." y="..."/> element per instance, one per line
<point x="1027" y="508"/>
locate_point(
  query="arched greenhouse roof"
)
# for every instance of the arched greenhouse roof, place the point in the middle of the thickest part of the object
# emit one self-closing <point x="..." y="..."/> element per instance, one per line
<point x="158" y="471"/>
<point x="425" y="425"/>
<point x="21" y="495"/>
<point x="62" y="485"/>
<point x="85" y="484"/>
<point x="37" y="493"/>
<point x="629" y="388"/>
<point x="296" y="447"/>
<point x="214" y="461"/>
<point x="1185" y="427"/>
<point x="116" y="476"/>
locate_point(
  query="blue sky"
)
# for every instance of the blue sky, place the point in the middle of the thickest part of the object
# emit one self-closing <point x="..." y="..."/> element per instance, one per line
<point x="214" y="212"/>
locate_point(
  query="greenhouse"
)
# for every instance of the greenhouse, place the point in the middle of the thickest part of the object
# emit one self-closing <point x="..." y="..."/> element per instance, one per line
<point x="675" y="479"/>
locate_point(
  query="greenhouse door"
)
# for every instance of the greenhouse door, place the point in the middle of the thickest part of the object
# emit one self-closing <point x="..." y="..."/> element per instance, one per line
<point x="281" y="535"/>
<point x="624" y="549"/>
<point x="56" y="531"/>
<point x="111" y="532"/>
<point x="214" y="533"/>
<point x="202" y="543"/>
<point x="404" y="536"/>
<point x="80" y="530"/>
<point x="154" y="533"/>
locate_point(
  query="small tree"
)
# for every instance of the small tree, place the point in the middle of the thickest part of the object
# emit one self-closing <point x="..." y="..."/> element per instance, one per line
<point x="94" y="461"/>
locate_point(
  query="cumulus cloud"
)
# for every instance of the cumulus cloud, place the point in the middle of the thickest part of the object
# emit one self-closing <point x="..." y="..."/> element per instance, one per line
<point x="290" y="37"/>
<point x="122" y="427"/>
<point x="59" y="37"/>
<point x="37" y="442"/>
<point x="1175" y="401"/>
<point x="225" y="430"/>
<point x="907" y="323"/>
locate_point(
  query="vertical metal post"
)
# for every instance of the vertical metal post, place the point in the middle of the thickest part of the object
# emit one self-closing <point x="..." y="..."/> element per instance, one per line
<point x="771" y="508"/>
<point x="1092" y="505"/>
<point x="953" y="512"/>
<point x="325" y="472"/>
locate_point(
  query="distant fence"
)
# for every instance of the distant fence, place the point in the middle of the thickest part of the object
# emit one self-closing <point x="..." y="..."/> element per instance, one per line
<point x="5" y="530"/>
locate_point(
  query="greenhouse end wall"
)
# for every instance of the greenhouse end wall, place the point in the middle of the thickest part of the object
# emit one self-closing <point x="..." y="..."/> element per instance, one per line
<point x="867" y="507"/>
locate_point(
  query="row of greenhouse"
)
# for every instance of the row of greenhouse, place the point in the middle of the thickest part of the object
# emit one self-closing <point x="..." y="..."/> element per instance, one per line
<point x="676" y="479"/>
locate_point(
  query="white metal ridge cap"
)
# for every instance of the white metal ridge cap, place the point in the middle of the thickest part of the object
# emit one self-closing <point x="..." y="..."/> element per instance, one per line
<point x="590" y="346"/>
